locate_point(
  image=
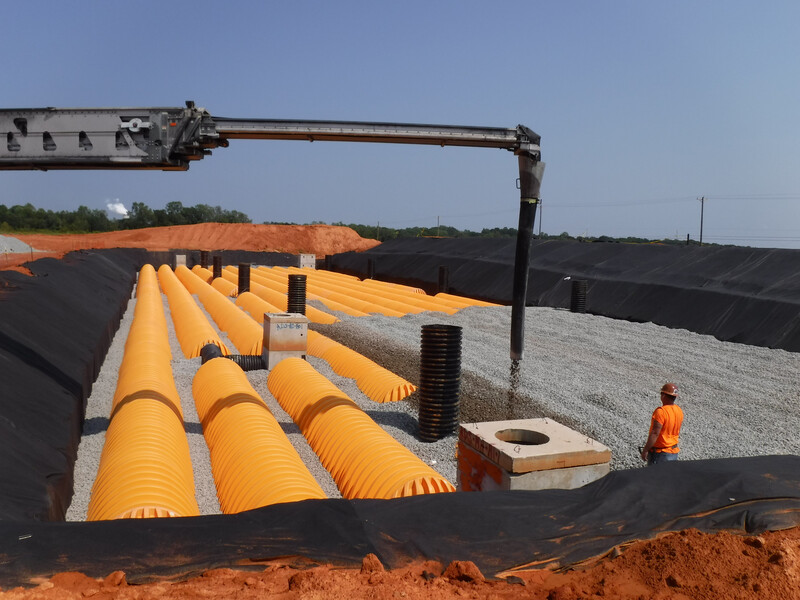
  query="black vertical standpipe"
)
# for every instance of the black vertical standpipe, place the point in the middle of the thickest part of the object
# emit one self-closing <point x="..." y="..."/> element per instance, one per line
<point x="370" y="268"/>
<point x="439" y="381"/>
<point x="244" y="277"/>
<point x="444" y="279"/>
<point x="217" y="266"/>
<point x="204" y="258"/>
<point x="531" y="170"/>
<point x="296" y="298"/>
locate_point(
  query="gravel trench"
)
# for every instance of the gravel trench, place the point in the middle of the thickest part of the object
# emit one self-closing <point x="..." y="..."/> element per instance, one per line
<point x="599" y="376"/>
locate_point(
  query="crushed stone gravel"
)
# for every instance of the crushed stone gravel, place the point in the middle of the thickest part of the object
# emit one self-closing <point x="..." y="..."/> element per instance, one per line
<point x="597" y="375"/>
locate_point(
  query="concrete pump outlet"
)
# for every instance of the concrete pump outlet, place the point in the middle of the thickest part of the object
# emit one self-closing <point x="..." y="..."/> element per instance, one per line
<point x="191" y="325"/>
<point x="377" y="383"/>
<point x="246" y="335"/>
<point x="145" y="468"/>
<point x="252" y="460"/>
<point x="364" y="460"/>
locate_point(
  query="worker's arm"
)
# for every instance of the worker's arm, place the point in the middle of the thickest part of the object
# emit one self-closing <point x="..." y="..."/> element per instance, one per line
<point x="655" y="430"/>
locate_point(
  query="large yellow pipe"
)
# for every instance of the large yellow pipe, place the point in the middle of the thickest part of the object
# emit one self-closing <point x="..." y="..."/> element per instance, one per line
<point x="252" y="460"/>
<point x="246" y="335"/>
<point x="191" y="326"/>
<point x="145" y="469"/>
<point x="364" y="460"/>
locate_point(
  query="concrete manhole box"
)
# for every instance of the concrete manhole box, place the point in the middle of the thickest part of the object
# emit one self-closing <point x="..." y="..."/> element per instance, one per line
<point x="527" y="454"/>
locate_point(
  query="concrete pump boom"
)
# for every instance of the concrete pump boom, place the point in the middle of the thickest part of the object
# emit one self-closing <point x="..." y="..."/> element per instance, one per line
<point x="169" y="139"/>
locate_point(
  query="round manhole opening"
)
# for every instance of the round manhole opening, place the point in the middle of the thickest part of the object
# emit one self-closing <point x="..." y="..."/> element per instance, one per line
<point x="522" y="436"/>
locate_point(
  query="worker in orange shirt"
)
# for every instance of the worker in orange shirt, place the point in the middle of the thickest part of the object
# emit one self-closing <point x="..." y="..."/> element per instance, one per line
<point x="665" y="428"/>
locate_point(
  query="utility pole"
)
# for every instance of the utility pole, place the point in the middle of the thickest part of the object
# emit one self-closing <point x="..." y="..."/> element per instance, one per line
<point x="702" y="205"/>
<point x="540" y="217"/>
<point x="437" y="226"/>
<point x="378" y="234"/>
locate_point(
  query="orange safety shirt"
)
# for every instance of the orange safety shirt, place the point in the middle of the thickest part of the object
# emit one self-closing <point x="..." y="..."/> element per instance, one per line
<point x="671" y="418"/>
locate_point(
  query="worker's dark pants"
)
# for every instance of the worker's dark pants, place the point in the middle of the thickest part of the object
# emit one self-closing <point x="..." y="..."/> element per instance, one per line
<point x="654" y="458"/>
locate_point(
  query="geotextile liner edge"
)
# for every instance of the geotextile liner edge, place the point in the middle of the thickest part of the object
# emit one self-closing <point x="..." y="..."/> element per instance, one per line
<point x="55" y="329"/>
<point x="500" y="531"/>
<point x="744" y="295"/>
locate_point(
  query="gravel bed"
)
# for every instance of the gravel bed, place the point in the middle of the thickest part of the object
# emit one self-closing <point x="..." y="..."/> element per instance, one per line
<point x="597" y="375"/>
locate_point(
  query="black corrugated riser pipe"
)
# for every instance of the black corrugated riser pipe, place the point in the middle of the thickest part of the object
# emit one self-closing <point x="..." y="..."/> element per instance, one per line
<point x="248" y="362"/>
<point x="296" y="298"/>
<point x="444" y="279"/>
<point x="217" y="267"/>
<point x="439" y="381"/>
<point x="244" y="277"/>
<point x="204" y="259"/>
<point x="578" y="296"/>
<point x="370" y="268"/>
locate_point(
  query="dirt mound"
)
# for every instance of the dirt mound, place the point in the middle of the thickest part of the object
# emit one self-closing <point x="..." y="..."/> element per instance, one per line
<point x="687" y="564"/>
<point x="294" y="239"/>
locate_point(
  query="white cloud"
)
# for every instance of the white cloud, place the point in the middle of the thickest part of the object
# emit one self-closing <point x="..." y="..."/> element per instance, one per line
<point x="116" y="209"/>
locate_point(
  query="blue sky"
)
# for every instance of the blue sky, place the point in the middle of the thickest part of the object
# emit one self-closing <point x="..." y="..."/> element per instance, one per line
<point x="643" y="107"/>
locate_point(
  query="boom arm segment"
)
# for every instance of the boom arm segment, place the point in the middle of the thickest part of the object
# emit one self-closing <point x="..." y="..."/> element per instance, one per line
<point x="170" y="138"/>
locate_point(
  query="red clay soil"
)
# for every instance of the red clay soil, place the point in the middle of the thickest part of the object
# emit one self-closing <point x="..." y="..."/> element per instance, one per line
<point x="293" y="239"/>
<point x="675" y="566"/>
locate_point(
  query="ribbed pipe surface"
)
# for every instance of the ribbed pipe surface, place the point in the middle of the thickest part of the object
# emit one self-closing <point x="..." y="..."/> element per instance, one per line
<point x="252" y="460"/>
<point x="191" y="325"/>
<point x="203" y="273"/>
<point x="377" y="383"/>
<point x="225" y="287"/>
<point x="364" y="460"/>
<point x="145" y="469"/>
<point x="439" y="381"/>
<point x="246" y="335"/>
<point x="296" y="294"/>
<point x="578" y="295"/>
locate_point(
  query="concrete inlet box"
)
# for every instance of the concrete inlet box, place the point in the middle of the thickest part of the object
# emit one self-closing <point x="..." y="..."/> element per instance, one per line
<point x="285" y="335"/>
<point x="180" y="259"/>
<point x="527" y="454"/>
<point x="308" y="261"/>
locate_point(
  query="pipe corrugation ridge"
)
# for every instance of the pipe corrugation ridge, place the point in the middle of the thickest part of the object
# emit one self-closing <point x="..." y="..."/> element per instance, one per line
<point x="225" y="287"/>
<point x="396" y="292"/>
<point x="276" y="281"/>
<point x="145" y="468"/>
<point x="191" y="325"/>
<point x="364" y="460"/>
<point x="377" y="383"/>
<point x="204" y="274"/>
<point x="253" y="462"/>
<point x="398" y="286"/>
<point x="464" y="300"/>
<point x="359" y="304"/>
<point x="401" y="307"/>
<point x="278" y="299"/>
<point x="244" y="333"/>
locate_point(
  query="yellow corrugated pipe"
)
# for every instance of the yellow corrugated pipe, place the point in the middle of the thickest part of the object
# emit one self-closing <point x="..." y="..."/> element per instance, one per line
<point x="464" y="300"/>
<point x="387" y="293"/>
<point x="225" y="287"/>
<point x="145" y="469"/>
<point x="276" y="298"/>
<point x="377" y="383"/>
<point x="243" y="332"/>
<point x="252" y="460"/>
<point x="203" y="273"/>
<point x="364" y="460"/>
<point x="255" y="306"/>
<point x="324" y="294"/>
<point x="191" y="326"/>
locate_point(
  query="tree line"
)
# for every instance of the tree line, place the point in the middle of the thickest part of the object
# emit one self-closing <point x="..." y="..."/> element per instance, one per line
<point x="85" y="220"/>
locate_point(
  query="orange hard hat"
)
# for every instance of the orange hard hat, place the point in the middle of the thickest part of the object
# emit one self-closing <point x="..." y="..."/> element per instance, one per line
<point x="670" y="389"/>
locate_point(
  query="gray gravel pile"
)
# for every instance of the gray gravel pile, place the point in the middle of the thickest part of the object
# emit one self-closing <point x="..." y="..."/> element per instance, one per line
<point x="11" y="245"/>
<point x="597" y="375"/>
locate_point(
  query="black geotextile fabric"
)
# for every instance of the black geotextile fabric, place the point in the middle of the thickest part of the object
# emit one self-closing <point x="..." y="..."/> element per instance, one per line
<point x="746" y="295"/>
<point x="55" y="329"/>
<point x="228" y="257"/>
<point x="499" y="531"/>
